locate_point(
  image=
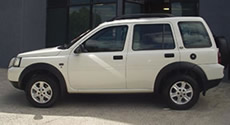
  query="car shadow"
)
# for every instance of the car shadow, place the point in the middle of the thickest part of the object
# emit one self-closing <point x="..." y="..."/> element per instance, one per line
<point x="115" y="107"/>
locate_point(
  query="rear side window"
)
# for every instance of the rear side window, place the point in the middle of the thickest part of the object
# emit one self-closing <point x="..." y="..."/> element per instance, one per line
<point x="152" y="37"/>
<point x="194" y="35"/>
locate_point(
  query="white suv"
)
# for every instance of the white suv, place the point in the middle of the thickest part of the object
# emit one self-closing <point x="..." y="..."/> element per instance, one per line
<point x="175" y="57"/>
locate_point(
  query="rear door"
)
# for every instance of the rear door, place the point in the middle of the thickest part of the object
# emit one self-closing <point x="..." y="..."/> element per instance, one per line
<point x="153" y="47"/>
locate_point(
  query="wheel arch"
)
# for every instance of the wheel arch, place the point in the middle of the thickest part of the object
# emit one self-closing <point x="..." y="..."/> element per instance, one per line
<point x="42" y="68"/>
<point x="180" y="68"/>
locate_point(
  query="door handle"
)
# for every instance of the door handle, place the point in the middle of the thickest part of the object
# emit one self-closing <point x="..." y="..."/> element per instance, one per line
<point x="118" y="57"/>
<point x="169" y="55"/>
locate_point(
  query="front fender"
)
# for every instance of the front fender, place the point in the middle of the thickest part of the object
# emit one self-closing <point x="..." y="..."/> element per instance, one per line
<point x="30" y="70"/>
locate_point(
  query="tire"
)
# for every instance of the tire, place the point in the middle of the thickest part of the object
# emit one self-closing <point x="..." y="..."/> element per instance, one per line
<point x="184" y="97"/>
<point x="224" y="49"/>
<point x="42" y="91"/>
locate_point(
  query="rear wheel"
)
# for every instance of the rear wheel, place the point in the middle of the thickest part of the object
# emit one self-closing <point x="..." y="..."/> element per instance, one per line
<point x="181" y="92"/>
<point x="42" y="91"/>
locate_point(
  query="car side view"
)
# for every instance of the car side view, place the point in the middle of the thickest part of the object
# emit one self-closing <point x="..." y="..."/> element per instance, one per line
<point x="175" y="57"/>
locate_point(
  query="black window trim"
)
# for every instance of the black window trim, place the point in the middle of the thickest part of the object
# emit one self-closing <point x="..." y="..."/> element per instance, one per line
<point x="154" y="24"/>
<point x="178" y="24"/>
<point x="103" y="29"/>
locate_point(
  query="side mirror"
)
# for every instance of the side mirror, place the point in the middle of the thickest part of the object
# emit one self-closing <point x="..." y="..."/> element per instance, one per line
<point x="78" y="50"/>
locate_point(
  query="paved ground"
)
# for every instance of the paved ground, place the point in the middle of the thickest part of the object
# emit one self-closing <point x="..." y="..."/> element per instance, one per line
<point x="214" y="109"/>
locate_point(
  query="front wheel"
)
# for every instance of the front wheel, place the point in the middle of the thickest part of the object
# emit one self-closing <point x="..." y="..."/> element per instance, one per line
<point x="181" y="92"/>
<point x="42" y="91"/>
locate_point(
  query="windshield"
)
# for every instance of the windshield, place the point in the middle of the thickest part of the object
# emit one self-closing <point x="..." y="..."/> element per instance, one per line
<point x="65" y="46"/>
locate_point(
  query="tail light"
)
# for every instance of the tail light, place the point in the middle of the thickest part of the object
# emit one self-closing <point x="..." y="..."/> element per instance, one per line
<point x="219" y="57"/>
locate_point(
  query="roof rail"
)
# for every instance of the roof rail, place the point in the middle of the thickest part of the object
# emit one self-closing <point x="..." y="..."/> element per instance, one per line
<point x="137" y="16"/>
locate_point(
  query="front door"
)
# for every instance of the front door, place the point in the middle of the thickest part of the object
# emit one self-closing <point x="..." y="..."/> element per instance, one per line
<point x="101" y="63"/>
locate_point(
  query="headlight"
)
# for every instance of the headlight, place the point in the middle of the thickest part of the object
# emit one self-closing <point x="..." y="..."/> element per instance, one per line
<point x="11" y="62"/>
<point x="15" y="62"/>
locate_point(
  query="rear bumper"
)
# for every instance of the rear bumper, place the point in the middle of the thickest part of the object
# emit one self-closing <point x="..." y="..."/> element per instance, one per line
<point x="212" y="83"/>
<point x="213" y="71"/>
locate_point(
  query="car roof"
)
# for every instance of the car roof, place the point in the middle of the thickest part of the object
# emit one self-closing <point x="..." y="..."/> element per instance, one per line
<point x="136" y="16"/>
<point x="151" y="19"/>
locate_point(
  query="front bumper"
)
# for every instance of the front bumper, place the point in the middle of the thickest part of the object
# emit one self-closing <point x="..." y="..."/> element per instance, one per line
<point x="15" y="84"/>
<point x="13" y="76"/>
<point x="14" y="73"/>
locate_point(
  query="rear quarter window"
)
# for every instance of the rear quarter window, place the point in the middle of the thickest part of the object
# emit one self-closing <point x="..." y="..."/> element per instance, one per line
<point x="194" y="35"/>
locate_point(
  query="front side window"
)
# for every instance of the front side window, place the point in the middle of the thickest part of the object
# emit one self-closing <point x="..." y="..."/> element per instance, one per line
<point x="153" y="37"/>
<point x="107" y="40"/>
<point x="194" y="35"/>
